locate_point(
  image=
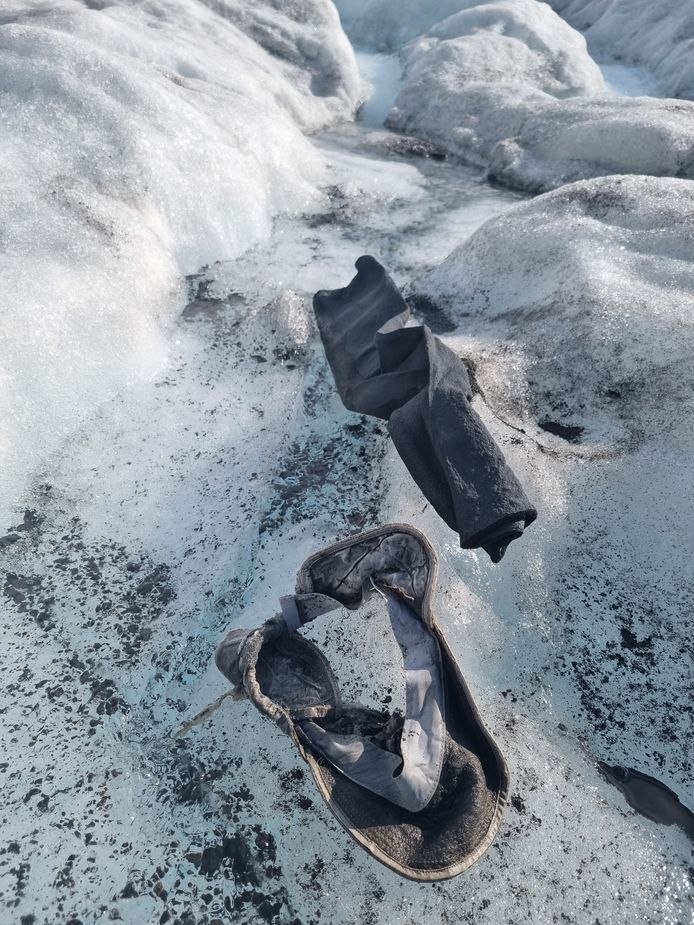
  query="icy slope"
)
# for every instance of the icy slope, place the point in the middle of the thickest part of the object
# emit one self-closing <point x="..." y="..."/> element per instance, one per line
<point x="657" y="33"/>
<point x="513" y="42"/>
<point x="139" y="140"/>
<point x="507" y="85"/>
<point x="605" y="266"/>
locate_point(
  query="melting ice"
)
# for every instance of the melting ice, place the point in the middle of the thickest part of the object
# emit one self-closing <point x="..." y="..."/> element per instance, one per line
<point x="166" y="471"/>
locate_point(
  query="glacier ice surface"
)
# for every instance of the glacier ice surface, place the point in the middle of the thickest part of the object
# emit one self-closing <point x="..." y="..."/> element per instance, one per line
<point x="193" y="487"/>
<point x="382" y="73"/>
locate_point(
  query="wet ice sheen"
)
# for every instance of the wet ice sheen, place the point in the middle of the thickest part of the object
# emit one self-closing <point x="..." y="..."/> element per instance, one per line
<point x="382" y="82"/>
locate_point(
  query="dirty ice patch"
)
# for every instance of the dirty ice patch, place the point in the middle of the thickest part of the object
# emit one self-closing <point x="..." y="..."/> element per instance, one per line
<point x="138" y="144"/>
<point x="184" y="506"/>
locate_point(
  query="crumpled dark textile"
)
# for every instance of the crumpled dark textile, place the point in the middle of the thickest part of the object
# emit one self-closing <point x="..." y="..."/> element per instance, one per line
<point x="410" y="378"/>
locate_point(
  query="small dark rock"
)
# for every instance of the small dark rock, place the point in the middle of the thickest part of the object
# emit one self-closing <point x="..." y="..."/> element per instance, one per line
<point x="415" y="147"/>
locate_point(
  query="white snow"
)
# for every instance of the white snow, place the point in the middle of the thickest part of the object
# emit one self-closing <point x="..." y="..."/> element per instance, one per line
<point x="139" y="140"/>
<point x="509" y="86"/>
<point x="656" y="33"/>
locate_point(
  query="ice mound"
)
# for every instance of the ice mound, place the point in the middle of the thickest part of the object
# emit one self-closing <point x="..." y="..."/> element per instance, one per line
<point x="510" y="87"/>
<point x="305" y="34"/>
<point x="140" y="141"/>
<point x="576" y="311"/>
<point x="504" y="42"/>
<point x="592" y="285"/>
<point x="657" y="33"/>
<point x="561" y="142"/>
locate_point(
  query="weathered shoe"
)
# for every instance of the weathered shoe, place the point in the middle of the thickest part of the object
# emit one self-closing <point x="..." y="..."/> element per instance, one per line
<point x="424" y="792"/>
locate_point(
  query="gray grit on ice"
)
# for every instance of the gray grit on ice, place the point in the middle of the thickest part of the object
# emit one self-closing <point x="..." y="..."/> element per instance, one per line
<point x="192" y="488"/>
<point x="136" y="561"/>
